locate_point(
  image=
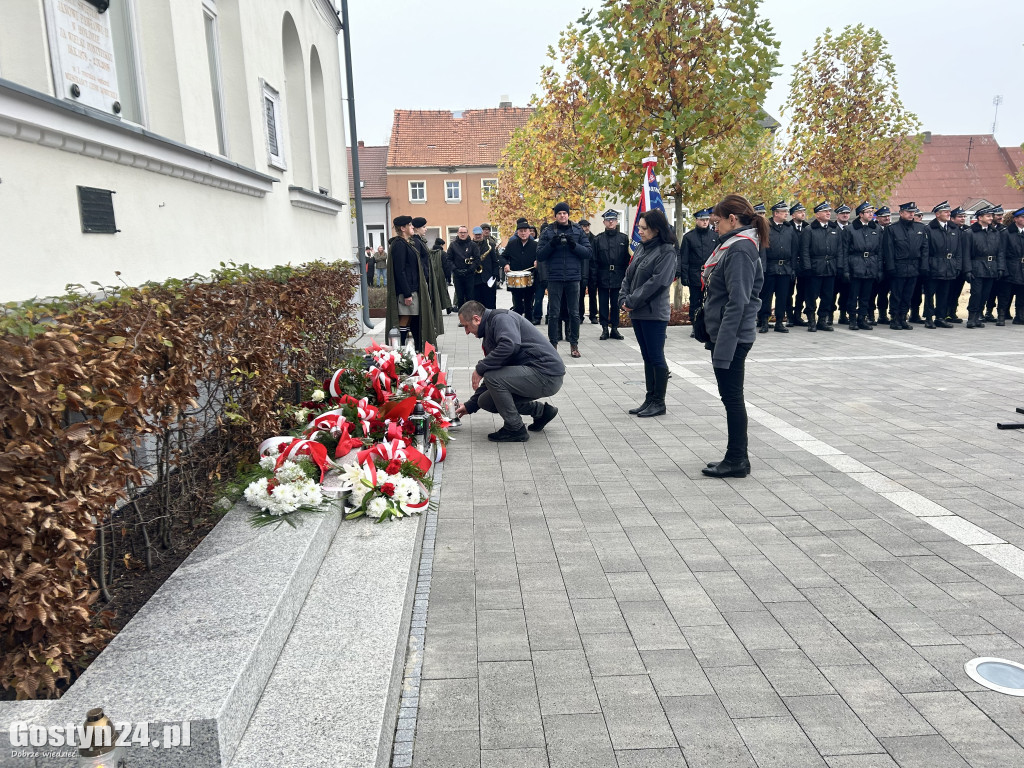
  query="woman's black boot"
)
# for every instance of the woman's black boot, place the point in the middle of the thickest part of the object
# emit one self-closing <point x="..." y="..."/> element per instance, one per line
<point x="649" y="375"/>
<point x="657" y="405"/>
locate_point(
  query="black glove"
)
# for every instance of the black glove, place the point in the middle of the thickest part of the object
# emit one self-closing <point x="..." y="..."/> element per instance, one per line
<point x="570" y="244"/>
<point x="970" y="277"/>
<point x="1000" y="274"/>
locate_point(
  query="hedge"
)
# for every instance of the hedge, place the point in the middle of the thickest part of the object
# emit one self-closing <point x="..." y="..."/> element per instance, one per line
<point x="154" y="393"/>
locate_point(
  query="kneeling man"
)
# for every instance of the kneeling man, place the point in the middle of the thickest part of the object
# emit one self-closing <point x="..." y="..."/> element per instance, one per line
<point x="520" y="366"/>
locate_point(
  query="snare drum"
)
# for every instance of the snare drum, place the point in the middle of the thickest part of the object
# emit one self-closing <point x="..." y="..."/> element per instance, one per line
<point x="522" y="279"/>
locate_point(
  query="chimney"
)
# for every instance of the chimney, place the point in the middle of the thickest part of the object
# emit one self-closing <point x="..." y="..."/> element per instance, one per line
<point x="505" y="103"/>
<point x="927" y="137"/>
<point x="361" y="144"/>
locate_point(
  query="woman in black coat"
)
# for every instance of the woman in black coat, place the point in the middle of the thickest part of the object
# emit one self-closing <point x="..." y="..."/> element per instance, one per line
<point x="404" y="282"/>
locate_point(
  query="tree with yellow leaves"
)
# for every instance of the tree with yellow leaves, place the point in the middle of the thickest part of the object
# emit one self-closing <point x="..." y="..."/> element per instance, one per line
<point x="546" y="161"/>
<point x="675" y="79"/>
<point x="851" y="139"/>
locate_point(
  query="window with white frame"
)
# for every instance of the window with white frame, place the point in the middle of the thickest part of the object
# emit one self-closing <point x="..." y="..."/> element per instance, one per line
<point x="488" y="188"/>
<point x="452" y="191"/>
<point x="453" y="234"/>
<point x="273" y="125"/>
<point x="417" y="191"/>
<point x="216" y="87"/>
<point x="126" y="61"/>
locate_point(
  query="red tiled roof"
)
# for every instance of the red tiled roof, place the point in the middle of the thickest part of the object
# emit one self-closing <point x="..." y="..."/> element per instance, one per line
<point x="942" y="173"/>
<point x="371" y="168"/>
<point x="424" y="138"/>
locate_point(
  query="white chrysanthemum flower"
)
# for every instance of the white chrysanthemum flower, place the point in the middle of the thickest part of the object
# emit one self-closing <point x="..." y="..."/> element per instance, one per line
<point x="290" y="472"/>
<point x="377" y="507"/>
<point x="407" y="489"/>
<point x="317" y="396"/>
<point x="268" y="462"/>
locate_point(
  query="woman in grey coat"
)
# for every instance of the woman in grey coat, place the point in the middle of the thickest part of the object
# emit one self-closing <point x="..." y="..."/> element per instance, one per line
<point x="732" y="278"/>
<point x="644" y="294"/>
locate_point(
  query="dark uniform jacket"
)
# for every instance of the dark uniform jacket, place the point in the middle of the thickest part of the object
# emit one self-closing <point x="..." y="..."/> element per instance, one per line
<point x="564" y="262"/>
<point x="985" y="251"/>
<point x="862" y="251"/>
<point x="519" y="255"/>
<point x="404" y="260"/>
<point x="420" y="244"/>
<point x="611" y="257"/>
<point x="488" y="259"/>
<point x="798" y="236"/>
<point x="820" y="248"/>
<point x="1013" y="254"/>
<point x="905" y="248"/>
<point x="697" y="245"/>
<point x="781" y="255"/>
<point x="464" y="256"/>
<point x="945" y="252"/>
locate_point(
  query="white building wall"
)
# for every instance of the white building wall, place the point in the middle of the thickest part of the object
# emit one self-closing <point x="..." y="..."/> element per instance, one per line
<point x="180" y="208"/>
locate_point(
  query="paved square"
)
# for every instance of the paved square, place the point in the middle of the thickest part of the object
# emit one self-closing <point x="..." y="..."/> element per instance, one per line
<point x="596" y="601"/>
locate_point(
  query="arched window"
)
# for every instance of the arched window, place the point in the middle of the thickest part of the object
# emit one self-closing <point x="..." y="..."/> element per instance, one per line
<point x="317" y="91"/>
<point x="295" y="105"/>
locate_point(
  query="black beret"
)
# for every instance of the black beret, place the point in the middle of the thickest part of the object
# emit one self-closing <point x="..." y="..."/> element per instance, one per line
<point x="401" y="221"/>
<point x="419" y="221"/>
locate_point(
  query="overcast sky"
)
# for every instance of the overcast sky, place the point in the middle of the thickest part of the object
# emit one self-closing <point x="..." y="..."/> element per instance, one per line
<point x="952" y="58"/>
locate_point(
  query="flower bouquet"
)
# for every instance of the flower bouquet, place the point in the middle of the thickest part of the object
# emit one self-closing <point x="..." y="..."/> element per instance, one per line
<point x="286" y="492"/>
<point x="385" y="489"/>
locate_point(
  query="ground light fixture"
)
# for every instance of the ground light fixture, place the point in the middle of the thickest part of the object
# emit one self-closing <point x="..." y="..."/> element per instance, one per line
<point x="997" y="674"/>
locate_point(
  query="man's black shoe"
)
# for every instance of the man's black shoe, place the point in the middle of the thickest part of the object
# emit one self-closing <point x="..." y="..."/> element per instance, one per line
<point x="506" y="435"/>
<point x="988" y="317"/>
<point x="780" y="327"/>
<point x="728" y="469"/>
<point x="604" y="333"/>
<point x="593" y="320"/>
<point x="539" y="422"/>
<point x="954" y="319"/>
<point x="940" y="323"/>
<point x="616" y="335"/>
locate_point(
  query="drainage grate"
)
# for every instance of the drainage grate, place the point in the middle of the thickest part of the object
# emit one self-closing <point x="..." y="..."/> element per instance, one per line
<point x="997" y="674"/>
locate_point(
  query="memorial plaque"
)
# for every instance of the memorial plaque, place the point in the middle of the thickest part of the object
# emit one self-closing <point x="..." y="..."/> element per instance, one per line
<point x="82" y="52"/>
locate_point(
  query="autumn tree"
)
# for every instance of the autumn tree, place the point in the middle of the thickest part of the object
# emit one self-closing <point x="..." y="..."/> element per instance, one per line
<point x="673" y="79"/>
<point x="1016" y="181"/>
<point x="752" y="166"/>
<point x="541" y="165"/>
<point x="851" y="139"/>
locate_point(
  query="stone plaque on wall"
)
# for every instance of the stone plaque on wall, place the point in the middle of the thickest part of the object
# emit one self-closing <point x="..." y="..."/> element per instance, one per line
<point x="82" y="53"/>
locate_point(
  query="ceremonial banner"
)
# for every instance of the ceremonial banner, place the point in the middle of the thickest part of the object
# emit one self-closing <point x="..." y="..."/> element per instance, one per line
<point x="650" y="198"/>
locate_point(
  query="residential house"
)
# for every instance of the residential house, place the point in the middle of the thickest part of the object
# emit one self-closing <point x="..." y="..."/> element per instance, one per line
<point x="968" y="171"/>
<point x="373" y="186"/>
<point x="158" y="138"/>
<point x="443" y="165"/>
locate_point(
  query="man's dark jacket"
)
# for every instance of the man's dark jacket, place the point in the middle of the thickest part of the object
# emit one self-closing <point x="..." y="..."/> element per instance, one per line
<point x="611" y="257"/>
<point x="781" y="255"/>
<point x="945" y="250"/>
<point x="862" y="251"/>
<point x="984" y="247"/>
<point x="820" y="248"/>
<point x="519" y="255"/>
<point x="459" y="251"/>
<point x="1013" y="256"/>
<point x="697" y="245"/>
<point x="905" y="248"/>
<point x="564" y="262"/>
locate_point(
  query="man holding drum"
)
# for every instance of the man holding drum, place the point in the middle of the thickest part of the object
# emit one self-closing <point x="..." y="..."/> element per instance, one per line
<point x="520" y="258"/>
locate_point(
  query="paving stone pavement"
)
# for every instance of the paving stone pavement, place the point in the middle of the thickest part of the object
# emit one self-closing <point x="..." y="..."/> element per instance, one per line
<point x="596" y="601"/>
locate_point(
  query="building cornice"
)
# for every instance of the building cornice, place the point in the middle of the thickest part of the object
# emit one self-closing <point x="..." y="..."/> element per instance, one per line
<point x="37" y="118"/>
<point x="306" y="198"/>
